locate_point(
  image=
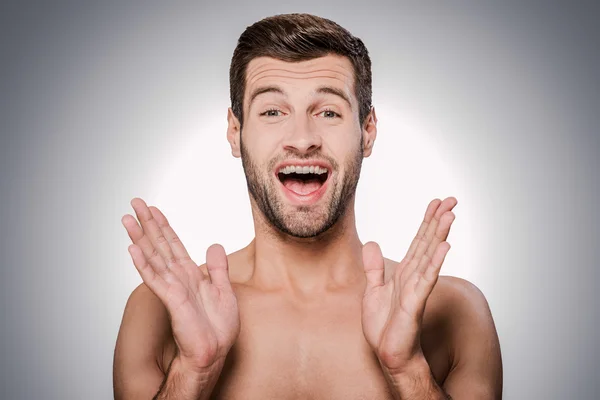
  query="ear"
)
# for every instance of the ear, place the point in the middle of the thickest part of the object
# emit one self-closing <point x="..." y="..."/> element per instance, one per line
<point x="233" y="133"/>
<point x="369" y="132"/>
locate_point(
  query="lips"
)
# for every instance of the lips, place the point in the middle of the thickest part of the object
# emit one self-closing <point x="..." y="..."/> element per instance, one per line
<point x="303" y="182"/>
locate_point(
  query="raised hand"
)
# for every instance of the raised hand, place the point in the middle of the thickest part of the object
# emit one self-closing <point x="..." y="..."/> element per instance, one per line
<point x="203" y="309"/>
<point x="392" y="312"/>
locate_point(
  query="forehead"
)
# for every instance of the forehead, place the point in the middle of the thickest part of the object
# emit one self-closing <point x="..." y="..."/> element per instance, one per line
<point x="332" y="70"/>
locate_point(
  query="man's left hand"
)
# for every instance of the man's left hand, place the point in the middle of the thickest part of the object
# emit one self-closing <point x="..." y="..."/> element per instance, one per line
<point x="392" y="311"/>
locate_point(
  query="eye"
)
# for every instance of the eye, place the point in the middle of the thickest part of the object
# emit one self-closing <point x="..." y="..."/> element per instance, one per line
<point x="329" y="114"/>
<point x="272" y="112"/>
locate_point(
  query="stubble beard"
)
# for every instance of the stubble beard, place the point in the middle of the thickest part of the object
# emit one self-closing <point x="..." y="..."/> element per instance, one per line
<point x="301" y="221"/>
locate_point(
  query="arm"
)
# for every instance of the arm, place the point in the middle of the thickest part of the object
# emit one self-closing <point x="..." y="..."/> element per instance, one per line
<point x="476" y="371"/>
<point x="183" y="382"/>
<point x="415" y="383"/>
<point x="137" y="364"/>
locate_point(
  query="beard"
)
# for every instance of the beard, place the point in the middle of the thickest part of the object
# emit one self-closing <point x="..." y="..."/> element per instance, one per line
<point x="302" y="221"/>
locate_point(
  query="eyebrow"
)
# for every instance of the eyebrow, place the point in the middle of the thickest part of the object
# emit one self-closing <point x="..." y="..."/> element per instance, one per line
<point x="335" y="91"/>
<point x="322" y="89"/>
<point x="266" y="89"/>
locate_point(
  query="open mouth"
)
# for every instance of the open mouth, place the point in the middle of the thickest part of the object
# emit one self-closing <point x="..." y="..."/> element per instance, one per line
<point x="303" y="180"/>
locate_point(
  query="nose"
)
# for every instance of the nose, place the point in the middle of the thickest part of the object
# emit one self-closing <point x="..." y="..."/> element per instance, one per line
<point x="302" y="136"/>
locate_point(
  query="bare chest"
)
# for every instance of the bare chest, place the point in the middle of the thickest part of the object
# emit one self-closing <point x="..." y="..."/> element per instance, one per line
<point x="316" y="352"/>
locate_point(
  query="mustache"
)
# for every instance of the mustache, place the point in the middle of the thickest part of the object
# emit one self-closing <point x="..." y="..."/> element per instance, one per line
<point x="289" y="155"/>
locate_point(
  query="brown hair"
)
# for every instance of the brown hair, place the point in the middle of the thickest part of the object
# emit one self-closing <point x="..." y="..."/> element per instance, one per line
<point x="298" y="37"/>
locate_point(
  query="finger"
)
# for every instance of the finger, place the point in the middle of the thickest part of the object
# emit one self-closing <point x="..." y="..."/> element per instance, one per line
<point x="427" y="247"/>
<point x="137" y="236"/>
<point x="440" y="235"/>
<point x="177" y="246"/>
<point x="430" y="276"/>
<point x="373" y="265"/>
<point x="446" y="205"/>
<point x="419" y="244"/>
<point x="151" y="229"/>
<point x="218" y="266"/>
<point x="150" y="277"/>
<point x="441" y="232"/>
<point x="429" y="213"/>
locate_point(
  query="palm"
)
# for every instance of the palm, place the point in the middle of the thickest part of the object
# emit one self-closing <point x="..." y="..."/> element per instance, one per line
<point x="204" y="317"/>
<point x="203" y="309"/>
<point x="393" y="310"/>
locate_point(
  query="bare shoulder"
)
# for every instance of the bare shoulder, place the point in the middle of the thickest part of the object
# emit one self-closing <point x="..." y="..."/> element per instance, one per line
<point x="458" y="295"/>
<point x="143" y="301"/>
<point x="463" y="295"/>
<point x="145" y="312"/>
<point x="452" y="302"/>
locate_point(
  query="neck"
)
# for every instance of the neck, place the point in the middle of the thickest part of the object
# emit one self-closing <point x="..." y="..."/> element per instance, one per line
<point x="307" y="265"/>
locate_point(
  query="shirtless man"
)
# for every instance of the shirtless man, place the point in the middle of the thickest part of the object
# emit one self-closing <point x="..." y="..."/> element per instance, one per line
<point x="306" y="310"/>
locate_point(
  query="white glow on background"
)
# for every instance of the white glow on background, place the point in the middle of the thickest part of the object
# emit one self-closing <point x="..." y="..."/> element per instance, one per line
<point x="405" y="172"/>
<point x="202" y="190"/>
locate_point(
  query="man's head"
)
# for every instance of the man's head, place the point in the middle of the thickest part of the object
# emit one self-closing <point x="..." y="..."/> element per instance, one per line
<point x="301" y="93"/>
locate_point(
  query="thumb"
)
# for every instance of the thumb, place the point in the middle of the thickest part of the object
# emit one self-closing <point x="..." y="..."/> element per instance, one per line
<point x="373" y="265"/>
<point x="218" y="267"/>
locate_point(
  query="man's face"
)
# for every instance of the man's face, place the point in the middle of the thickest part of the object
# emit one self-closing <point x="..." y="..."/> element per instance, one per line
<point x="301" y="142"/>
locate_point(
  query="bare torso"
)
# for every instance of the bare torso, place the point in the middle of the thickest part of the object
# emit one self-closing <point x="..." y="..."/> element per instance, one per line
<point x="313" y="348"/>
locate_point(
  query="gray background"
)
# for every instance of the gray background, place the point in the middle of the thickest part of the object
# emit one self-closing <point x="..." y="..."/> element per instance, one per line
<point x="494" y="103"/>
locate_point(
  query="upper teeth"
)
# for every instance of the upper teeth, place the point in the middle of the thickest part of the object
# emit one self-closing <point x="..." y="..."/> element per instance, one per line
<point x="313" y="169"/>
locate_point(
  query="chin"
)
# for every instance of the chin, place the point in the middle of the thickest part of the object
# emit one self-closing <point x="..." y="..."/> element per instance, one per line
<point x="306" y="221"/>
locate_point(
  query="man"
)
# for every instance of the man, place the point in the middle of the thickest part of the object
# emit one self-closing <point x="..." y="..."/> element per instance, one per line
<point x="305" y="311"/>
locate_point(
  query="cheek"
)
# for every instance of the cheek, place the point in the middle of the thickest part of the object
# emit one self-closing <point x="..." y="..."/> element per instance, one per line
<point x="257" y="140"/>
<point x="343" y="148"/>
<point x="258" y="149"/>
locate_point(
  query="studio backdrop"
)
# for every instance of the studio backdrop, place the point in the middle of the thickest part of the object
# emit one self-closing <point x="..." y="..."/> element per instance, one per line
<point x="496" y="104"/>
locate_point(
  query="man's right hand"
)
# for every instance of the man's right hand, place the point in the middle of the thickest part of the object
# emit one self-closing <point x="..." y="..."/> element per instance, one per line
<point x="203" y="309"/>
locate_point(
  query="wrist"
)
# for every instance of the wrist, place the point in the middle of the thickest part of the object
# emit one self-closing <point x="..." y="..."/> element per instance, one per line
<point x="414" y="381"/>
<point x="416" y="365"/>
<point x="186" y="381"/>
<point x="194" y="371"/>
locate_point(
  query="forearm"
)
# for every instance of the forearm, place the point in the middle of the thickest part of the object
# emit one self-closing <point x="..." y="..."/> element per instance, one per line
<point x="415" y="383"/>
<point x="185" y="384"/>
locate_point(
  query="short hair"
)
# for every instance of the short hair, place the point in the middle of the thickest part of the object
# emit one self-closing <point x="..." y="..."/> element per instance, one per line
<point x="299" y="37"/>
